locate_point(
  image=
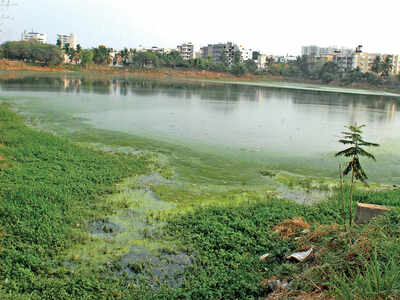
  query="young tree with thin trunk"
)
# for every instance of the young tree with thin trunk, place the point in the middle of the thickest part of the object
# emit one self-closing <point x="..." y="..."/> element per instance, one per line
<point x="353" y="137"/>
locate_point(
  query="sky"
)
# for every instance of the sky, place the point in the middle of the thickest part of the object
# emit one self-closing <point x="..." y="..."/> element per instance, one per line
<point x="272" y="27"/>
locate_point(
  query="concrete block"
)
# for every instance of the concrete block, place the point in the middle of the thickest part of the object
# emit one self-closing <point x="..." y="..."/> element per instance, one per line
<point x="366" y="212"/>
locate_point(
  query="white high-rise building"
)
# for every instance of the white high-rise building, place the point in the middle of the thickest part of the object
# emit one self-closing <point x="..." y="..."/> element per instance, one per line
<point x="186" y="51"/>
<point x="316" y="51"/>
<point x="34" y="37"/>
<point x="69" y="39"/>
<point x="245" y="54"/>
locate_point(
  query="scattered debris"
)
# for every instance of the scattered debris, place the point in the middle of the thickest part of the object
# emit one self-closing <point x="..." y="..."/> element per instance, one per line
<point x="264" y="257"/>
<point x="301" y="256"/>
<point x="366" y="212"/>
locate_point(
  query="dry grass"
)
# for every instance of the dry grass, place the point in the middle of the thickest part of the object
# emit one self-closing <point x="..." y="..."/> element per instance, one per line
<point x="10" y="65"/>
<point x="290" y="227"/>
<point x="297" y="295"/>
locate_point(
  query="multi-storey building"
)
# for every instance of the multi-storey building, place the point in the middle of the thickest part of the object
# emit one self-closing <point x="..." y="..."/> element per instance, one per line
<point x="344" y="61"/>
<point x="310" y="51"/>
<point x="364" y="61"/>
<point x="186" y="51"/>
<point x="156" y="49"/>
<point x="315" y="51"/>
<point x="261" y="61"/>
<point x="67" y="39"/>
<point x="220" y="51"/>
<point x="245" y="54"/>
<point x="396" y="64"/>
<point x="34" y="37"/>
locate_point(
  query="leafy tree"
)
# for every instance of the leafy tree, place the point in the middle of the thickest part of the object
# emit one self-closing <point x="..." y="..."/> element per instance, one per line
<point x="377" y="65"/>
<point x="303" y="64"/>
<point x="353" y="137"/>
<point x="331" y="70"/>
<point x="33" y="52"/>
<point x="255" y="55"/>
<point x="224" y="60"/>
<point x="387" y="66"/>
<point x="67" y="48"/>
<point x="250" y="65"/>
<point x="328" y="77"/>
<point x="174" y="59"/>
<point x="237" y="57"/>
<point x="238" y="69"/>
<point x="87" y="57"/>
<point x="101" y="55"/>
<point x="373" y="79"/>
<point x="353" y="76"/>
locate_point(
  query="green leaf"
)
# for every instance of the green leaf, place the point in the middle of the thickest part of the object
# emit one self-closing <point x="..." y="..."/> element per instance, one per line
<point x="346" y="152"/>
<point x="362" y="152"/>
<point x="346" y="142"/>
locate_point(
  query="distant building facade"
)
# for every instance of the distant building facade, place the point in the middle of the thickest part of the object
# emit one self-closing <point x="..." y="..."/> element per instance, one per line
<point x="220" y="51"/>
<point x="364" y="61"/>
<point x="34" y="37"/>
<point x="344" y="62"/>
<point x="316" y="51"/>
<point x="261" y="61"/>
<point x="67" y="39"/>
<point x="349" y="59"/>
<point x="186" y="51"/>
<point x="156" y="49"/>
<point x="245" y="54"/>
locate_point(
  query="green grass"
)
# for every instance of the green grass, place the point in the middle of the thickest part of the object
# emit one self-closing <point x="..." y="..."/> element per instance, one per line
<point x="49" y="186"/>
<point x="230" y="239"/>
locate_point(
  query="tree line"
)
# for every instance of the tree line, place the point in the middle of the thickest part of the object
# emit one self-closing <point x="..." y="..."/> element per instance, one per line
<point x="303" y="67"/>
<point x="32" y="52"/>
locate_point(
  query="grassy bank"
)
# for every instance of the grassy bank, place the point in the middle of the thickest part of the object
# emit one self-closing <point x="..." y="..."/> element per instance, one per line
<point x="51" y="191"/>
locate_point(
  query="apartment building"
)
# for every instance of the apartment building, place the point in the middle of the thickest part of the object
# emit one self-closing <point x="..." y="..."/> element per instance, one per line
<point x="315" y="51"/>
<point x="344" y="62"/>
<point x="364" y="61"/>
<point x="396" y="64"/>
<point x="218" y="51"/>
<point x="186" y="51"/>
<point x="34" y="37"/>
<point x="261" y="62"/>
<point x="156" y="49"/>
<point x="245" y="54"/>
<point x="67" y="39"/>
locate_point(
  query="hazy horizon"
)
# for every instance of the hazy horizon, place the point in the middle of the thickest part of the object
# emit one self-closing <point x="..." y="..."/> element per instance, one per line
<point x="276" y="27"/>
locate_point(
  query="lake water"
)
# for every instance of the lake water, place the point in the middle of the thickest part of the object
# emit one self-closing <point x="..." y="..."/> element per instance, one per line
<point x="273" y="122"/>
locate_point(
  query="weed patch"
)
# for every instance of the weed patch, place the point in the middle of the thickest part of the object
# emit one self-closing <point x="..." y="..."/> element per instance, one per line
<point x="53" y="186"/>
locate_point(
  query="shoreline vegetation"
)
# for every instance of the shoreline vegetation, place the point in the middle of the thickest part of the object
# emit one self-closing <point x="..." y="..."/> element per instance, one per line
<point x="78" y="222"/>
<point x="12" y="68"/>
